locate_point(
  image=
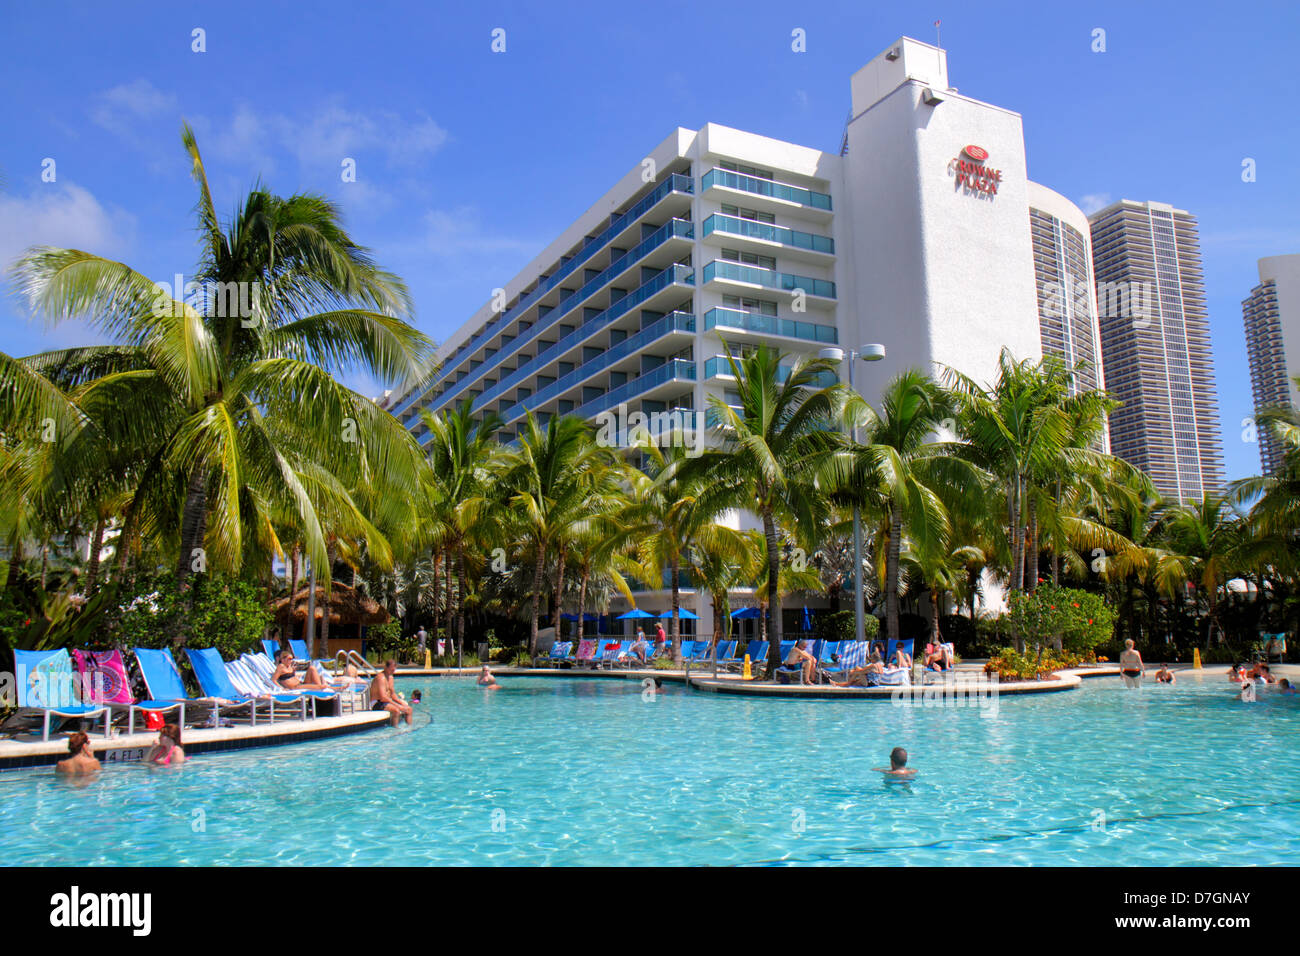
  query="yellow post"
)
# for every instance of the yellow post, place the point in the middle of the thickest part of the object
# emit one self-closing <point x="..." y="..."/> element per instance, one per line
<point x="1196" y="658"/>
<point x="747" y="674"/>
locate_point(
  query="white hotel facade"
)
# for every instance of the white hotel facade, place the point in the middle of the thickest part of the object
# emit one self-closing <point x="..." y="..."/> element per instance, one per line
<point x="917" y="235"/>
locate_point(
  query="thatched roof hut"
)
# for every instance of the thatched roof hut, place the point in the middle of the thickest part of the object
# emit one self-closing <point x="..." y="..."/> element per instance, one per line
<point x="347" y="608"/>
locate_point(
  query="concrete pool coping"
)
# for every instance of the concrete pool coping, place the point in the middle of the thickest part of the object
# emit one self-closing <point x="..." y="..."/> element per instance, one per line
<point x="21" y="754"/>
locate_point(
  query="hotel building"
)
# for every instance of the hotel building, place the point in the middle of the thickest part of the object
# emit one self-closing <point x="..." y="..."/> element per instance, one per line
<point x="917" y="234"/>
<point x="1272" y="318"/>
<point x="1155" y="342"/>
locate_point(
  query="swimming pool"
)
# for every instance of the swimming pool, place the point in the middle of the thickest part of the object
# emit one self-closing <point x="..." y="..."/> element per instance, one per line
<point x="548" y="771"/>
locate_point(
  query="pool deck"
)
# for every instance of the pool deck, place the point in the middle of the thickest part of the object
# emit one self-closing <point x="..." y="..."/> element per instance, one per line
<point x="28" y="750"/>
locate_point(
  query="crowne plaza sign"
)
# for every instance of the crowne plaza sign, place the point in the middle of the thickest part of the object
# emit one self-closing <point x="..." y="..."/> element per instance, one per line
<point x="972" y="172"/>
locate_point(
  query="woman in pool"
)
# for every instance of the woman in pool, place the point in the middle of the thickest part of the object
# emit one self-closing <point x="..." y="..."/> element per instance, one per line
<point x="286" y="677"/>
<point x="486" y="680"/>
<point x="82" y="760"/>
<point x="1131" y="666"/>
<point x="1234" y="674"/>
<point x="1165" y="675"/>
<point x="167" y="750"/>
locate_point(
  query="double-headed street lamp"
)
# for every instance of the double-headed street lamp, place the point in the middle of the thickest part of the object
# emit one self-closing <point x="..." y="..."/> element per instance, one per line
<point x="867" y="353"/>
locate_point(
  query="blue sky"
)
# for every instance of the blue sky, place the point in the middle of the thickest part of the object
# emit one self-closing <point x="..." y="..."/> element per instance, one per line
<point x="464" y="163"/>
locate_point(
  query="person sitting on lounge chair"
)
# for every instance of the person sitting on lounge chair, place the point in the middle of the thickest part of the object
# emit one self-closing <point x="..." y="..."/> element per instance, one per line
<point x="288" y="678"/>
<point x="383" y="696"/>
<point x="937" y="657"/>
<point x="82" y="760"/>
<point x="902" y="658"/>
<point x="639" y="647"/>
<point x="867" y="676"/>
<point x="167" y="749"/>
<point x="800" y="657"/>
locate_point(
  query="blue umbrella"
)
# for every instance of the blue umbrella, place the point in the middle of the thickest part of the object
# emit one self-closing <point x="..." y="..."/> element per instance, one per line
<point x="683" y="614"/>
<point x="807" y="619"/>
<point x="635" y="613"/>
<point x="746" y="613"/>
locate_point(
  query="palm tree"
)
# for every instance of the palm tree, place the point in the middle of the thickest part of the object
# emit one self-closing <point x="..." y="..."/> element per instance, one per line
<point x="894" y="470"/>
<point x="245" y="389"/>
<point x="547" y="479"/>
<point x="1209" y="534"/>
<point x="772" y="448"/>
<point x="463" y="456"/>
<point x="722" y="564"/>
<point x="675" y="513"/>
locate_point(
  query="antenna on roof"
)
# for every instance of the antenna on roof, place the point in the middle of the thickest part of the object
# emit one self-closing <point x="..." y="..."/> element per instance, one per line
<point x="936" y="34"/>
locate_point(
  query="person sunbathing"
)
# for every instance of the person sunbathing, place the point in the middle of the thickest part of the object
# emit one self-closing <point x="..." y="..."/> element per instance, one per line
<point x="898" y="769"/>
<point x="868" y="676"/>
<point x="287" y="678"/>
<point x="82" y="760"/>
<point x="167" y="749"/>
<point x="937" y="657"/>
<point x="799" y="656"/>
<point x="383" y="696"/>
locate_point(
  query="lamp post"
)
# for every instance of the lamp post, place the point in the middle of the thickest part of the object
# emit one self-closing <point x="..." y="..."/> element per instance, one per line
<point x="867" y="353"/>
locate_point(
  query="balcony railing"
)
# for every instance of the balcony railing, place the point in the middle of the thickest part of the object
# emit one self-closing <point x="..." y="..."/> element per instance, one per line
<point x="734" y="225"/>
<point x="765" y="187"/>
<point x="768" y="278"/>
<point x="673" y="322"/>
<point x="674" y="183"/>
<point x="669" y="371"/>
<point x="675" y="228"/>
<point x="718" y="366"/>
<point x="770" y="325"/>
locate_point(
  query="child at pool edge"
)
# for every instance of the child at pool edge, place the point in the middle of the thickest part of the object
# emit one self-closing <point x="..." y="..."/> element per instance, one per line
<point x="898" y="768"/>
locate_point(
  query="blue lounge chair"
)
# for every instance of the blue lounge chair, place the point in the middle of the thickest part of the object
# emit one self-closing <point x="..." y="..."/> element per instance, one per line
<point x="560" y="651"/>
<point x="271" y="647"/>
<point x="757" y="651"/>
<point x="726" y="652"/>
<point x="47" y="683"/>
<point x="217" y="687"/>
<point x="852" y="654"/>
<point x="830" y="650"/>
<point x="300" y="652"/>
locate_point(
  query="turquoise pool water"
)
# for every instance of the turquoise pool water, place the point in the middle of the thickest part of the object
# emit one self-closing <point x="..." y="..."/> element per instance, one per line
<point x="589" y="772"/>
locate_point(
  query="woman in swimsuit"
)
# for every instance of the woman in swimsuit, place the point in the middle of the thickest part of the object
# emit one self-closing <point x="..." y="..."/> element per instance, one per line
<point x="287" y="677"/>
<point x="82" y="759"/>
<point x="167" y="750"/>
<point x="868" y="676"/>
<point x="1131" y="666"/>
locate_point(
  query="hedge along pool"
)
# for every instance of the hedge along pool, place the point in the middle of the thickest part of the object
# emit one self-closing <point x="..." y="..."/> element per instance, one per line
<point x="582" y="771"/>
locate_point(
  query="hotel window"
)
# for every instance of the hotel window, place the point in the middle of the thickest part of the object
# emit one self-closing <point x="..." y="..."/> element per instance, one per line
<point x="749" y="258"/>
<point x="746" y="304"/>
<point x="745" y="170"/>
<point x="752" y="214"/>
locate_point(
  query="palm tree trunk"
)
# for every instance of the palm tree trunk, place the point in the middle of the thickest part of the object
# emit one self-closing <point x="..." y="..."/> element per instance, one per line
<point x="673" y="567"/>
<point x="331" y="552"/>
<point x="92" y="568"/>
<point x="194" y="521"/>
<point x="45" y="562"/>
<point x="773" y="592"/>
<point x="559" y="592"/>
<point x="537" y="595"/>
<point x="457" y="639"/>
<point x="1031" y="546"/>
<point x="582" y="601"/>
<point x="462" y="588"/>
<point x="295" y="575"/>
<point x="934" y="609"/>
<point x="436" y="595"/>
<point x="893" y="554"/>
<point x="1056" y="544"/>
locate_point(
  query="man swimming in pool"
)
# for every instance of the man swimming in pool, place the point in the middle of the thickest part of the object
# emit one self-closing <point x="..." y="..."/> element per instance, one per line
<point x="486" y="680"/>
<point x="898" y="769"/>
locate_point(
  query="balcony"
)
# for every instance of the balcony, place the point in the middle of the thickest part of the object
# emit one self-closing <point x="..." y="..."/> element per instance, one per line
<point x="671" y="371"/>
<point x="771" y="196"/>
<point x="674" y="183"/>
<point x="676" y="229"/>
<point x="719" y="367"/>
<point x="669" y="324"/>
<point x="759" y="324"/>
<point x="722" y="270"/>
<point x="815" y="248"/>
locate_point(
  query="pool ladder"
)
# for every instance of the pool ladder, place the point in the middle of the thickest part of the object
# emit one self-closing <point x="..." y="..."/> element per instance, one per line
<point x="364" y="669"/>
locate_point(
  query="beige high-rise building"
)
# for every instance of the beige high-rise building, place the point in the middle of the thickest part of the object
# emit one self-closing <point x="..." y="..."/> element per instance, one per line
<point x="1272" y="317"/>
<point x="1155" y="343"/>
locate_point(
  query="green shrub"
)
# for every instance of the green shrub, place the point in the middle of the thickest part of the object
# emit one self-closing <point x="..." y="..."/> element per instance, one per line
<point x="224" y="613"/>
<point x="1010" y="665"/>
<point x="1082" y="619"/>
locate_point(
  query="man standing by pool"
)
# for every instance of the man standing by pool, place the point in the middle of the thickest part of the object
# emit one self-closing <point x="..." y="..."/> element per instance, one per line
<point x="383" y="696"/>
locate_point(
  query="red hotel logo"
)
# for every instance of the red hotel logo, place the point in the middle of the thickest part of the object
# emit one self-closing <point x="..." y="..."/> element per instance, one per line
<point x="973" y="174"/>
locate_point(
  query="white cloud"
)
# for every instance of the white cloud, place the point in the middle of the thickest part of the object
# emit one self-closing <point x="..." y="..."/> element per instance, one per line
<point x="124" y="107"/>
<point x="460" y="232"/>
<point x="1093" y="202"/>
<point x="323" y="139"/>
<point x="64" y="214"/>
